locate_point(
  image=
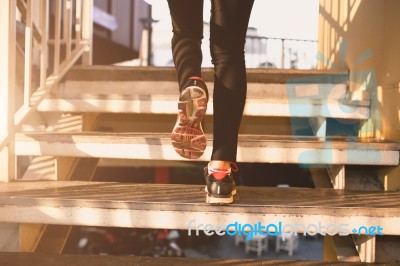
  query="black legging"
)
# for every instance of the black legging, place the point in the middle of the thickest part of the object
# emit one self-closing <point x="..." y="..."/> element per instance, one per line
<point x="228" y="27"/>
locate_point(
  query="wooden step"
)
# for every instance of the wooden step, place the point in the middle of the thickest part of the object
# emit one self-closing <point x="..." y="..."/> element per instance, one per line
<point x="294" y="93"/>
<point x="252" y="148"/>
<point x="159" y="104"/>
<point x="255" y="75"/>
<point x="23" y="259"/>
<point x="262" y="83"/>
<point x="174" y="206"/>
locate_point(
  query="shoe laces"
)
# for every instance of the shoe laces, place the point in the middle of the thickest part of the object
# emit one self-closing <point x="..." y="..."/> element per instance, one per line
<point x="220" y="173"/>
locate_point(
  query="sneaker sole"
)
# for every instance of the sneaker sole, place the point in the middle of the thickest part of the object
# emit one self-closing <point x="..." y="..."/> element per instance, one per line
<point x="215" y="200"/>
<point x="188" y="137"/>
<point x="218" y="201"/>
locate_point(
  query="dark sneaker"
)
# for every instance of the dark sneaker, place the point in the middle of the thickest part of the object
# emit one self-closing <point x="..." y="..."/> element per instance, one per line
<point x="220" y="186"/>
<point x="187" y="136"/>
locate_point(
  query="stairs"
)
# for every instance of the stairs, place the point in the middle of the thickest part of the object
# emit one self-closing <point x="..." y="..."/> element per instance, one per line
<point x="22" y="259"/>
<point x="252" y="148"/>
<point x="313" y="95"/>
<point x="290" y="93"/>
<point x="175" y="206"/>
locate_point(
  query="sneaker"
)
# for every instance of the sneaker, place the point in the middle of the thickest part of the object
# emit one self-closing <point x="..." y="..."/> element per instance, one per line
<point x="220" y="186"/>
<point x="188" y="137"/>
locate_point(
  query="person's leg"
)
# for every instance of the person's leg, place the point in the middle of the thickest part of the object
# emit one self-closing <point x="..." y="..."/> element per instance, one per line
<point x="187" y="27"/>
<point x="187" y="136"/>
<point x="228" y="26"/>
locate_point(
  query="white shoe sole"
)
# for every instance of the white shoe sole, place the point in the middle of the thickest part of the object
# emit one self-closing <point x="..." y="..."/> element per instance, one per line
<point x="216" y="200"/>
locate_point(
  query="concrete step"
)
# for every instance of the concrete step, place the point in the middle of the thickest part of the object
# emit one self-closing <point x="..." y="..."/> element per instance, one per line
<point x="252" y="148"/>
<point x="271" y="92"/>
<point x="174" y="206"/>
<point x="23" y="259"/>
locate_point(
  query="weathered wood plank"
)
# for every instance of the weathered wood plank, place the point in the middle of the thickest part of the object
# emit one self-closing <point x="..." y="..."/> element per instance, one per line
<point x="168" y="105"/>
<point x="174" y="206"/>
<point x="23" y="259"/>
<point x="296" y="93"/>
<point x="100" y="88"/>
<point x="252" y="148"/>
<point x="271" y="92"/>
<point x="265" y="75"/>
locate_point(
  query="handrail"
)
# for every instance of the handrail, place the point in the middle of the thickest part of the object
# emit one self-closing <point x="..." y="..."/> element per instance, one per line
<point x="7" y="85"/>
<point x="261" y="42"/>
<point x="69" y="40"/>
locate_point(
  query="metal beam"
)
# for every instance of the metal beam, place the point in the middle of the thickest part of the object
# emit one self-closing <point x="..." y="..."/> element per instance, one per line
<point x="345" y="248"/>
<point x="337" y="176"/>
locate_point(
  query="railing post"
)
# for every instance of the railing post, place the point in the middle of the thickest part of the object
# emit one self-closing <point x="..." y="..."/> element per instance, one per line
<point x="68" y="28"/>
<point x="283" y="53"/>
<point x="57" y="36"/>
<point x="144" y="48"/>
<point x="28" y="53"/>
<point x="44" y="26"/>
<point x="7" y="88"/>
<point x="87" y="31"/>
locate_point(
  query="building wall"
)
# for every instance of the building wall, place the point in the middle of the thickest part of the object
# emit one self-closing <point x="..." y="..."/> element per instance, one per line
<point x="391" y="84"/>
<point x="359" y="23"/>
<point x="363" y="36"/>
<point x="128" y="14"/>
<point x="142" y="10"/>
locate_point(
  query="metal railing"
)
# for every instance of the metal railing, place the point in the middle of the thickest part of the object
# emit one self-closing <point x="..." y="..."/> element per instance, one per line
<point x="292" y="52"/>
<point x="50" y="37"/>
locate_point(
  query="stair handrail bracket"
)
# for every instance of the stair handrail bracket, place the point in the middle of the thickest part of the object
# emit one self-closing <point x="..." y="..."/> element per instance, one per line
<point x="40" y="42"/>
